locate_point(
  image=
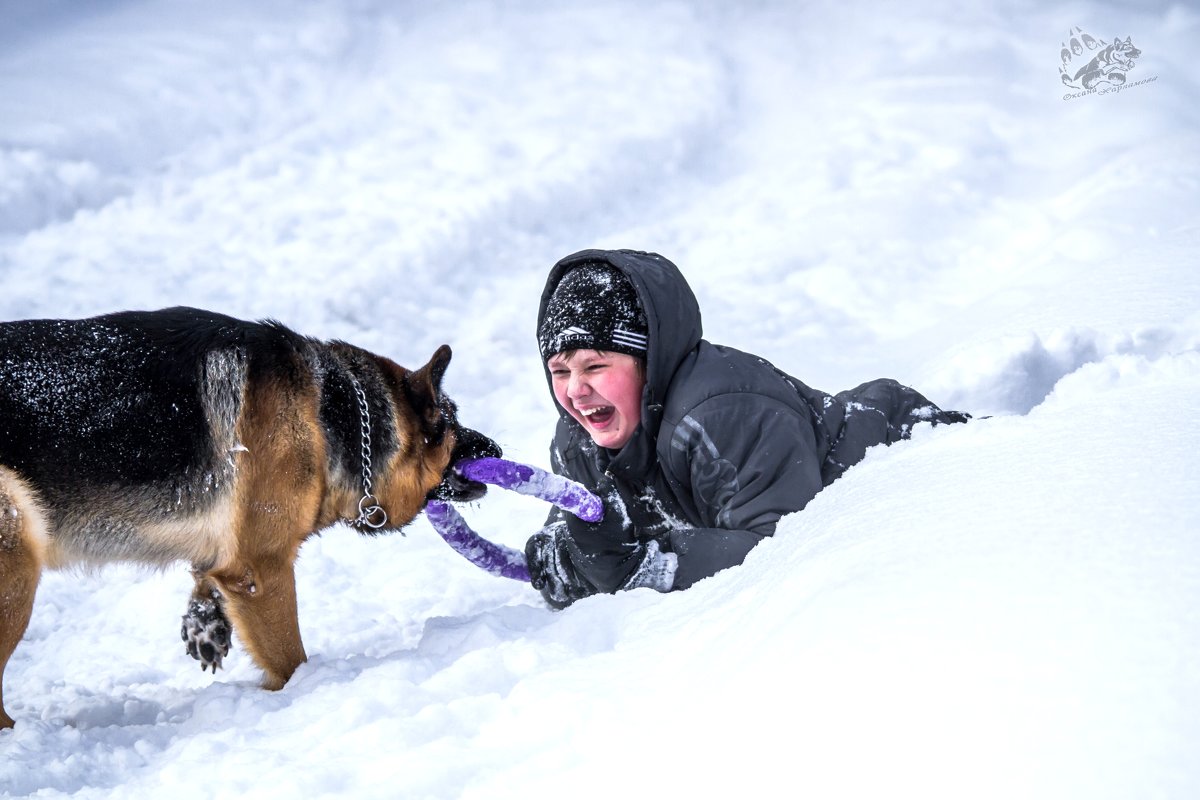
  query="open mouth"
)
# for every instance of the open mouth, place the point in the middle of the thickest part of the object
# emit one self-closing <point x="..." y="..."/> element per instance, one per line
<point x="455" y="487"/>
<point x="598" y="416"/>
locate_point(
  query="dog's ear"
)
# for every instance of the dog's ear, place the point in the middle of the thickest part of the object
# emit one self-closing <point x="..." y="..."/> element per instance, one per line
<point x="426" y="382"/>
<point x="424" y="390"/>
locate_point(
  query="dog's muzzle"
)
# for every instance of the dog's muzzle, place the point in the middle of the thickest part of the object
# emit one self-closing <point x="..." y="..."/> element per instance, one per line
<point x="454" y="486"/>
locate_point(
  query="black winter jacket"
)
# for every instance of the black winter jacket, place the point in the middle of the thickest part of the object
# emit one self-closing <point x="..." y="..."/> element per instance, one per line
<point x="728" y="443"/>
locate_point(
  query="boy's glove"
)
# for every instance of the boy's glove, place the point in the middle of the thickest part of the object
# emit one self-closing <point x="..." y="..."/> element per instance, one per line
<point x="576" y="559"/>
<point x="550" y="569"/>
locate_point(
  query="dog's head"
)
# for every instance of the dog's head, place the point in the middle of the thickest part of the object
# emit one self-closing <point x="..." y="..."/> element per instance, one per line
<point x="443" y="440"/>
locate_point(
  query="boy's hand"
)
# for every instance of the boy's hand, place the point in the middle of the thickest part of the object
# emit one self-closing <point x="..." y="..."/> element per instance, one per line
<point x="574" y="559"/>
<point x="550" y="569"/>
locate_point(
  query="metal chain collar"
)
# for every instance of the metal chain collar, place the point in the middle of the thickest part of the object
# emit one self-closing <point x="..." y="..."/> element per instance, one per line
<point x="370" y="513"/>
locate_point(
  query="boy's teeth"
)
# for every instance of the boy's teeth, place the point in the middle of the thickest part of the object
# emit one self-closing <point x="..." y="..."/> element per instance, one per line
<point x="587" y="412"/>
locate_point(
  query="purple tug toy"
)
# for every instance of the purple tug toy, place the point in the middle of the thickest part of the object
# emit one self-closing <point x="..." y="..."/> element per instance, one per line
<point x="523" y="479"/>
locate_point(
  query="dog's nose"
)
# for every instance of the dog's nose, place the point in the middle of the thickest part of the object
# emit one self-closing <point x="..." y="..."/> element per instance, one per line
<point x="473" y="444"/>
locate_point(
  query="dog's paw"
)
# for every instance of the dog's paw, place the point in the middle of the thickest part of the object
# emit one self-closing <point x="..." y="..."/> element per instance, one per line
<point x="206" y="631"/>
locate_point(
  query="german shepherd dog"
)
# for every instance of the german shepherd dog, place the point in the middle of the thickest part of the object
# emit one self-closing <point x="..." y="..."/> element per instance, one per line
<point x="185" y="435"/>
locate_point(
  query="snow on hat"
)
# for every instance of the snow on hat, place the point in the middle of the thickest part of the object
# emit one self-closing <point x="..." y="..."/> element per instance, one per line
<point x="594" y="307"/>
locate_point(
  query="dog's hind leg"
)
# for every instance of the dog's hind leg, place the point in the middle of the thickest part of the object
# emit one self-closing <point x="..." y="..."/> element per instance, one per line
<point x="20" y="567"/>
<point x="260" y="598"/>
<point x="206" y="630"/>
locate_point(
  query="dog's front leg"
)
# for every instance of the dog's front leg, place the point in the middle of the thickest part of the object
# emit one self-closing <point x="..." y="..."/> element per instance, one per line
<point x="206" y="630"/>
<point x="261" y="600"/>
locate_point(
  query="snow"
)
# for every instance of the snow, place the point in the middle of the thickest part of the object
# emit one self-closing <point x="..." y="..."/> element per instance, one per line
<point x="1003" y="609"/>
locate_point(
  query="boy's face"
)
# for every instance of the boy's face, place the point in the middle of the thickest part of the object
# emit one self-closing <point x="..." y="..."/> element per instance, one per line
<point x="602" y="391"/>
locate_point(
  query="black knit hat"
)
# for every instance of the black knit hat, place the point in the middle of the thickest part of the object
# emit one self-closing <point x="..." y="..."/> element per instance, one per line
<point x="594" y="307"/>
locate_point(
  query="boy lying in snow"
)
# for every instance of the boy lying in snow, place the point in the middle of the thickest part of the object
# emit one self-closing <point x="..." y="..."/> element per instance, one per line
<point x="696" y="449"/>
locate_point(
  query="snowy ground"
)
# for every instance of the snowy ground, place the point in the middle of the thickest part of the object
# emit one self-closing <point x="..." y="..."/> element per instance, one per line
<point x="1006" y="609"/>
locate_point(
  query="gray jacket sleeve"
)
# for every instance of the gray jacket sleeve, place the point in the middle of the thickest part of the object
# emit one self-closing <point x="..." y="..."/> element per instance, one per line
<point x="741" y="462"/>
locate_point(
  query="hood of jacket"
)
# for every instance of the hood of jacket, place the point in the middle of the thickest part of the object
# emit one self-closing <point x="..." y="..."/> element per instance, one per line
<point x="674" y="329"/>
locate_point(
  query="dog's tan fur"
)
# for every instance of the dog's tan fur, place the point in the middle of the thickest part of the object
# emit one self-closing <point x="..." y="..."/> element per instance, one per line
<point x="22" y="551"/>
<point x="282" y="489"/>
